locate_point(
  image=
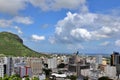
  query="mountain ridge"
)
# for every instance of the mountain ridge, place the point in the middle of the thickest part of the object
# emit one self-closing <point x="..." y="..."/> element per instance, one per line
<point x="12" y="45"/>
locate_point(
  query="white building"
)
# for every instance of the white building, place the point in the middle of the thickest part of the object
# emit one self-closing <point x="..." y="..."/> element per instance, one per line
<point x="6" y="66"/>
<point x="2" y="70"/>
<point x="42" y="77"/>
<point x="91" y="60"/>
<point x="52" y="63"/>
<point x="85" y="72"/>
<point x="65" y="59"/>
<point x="18" y="59"/>
<point x="99" y="59"/>
<point x="110" y="71"/>
<point x="9" y="66"/>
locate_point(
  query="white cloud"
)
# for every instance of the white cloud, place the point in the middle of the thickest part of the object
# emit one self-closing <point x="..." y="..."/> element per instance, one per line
<point x="59" y="4"/>
<point x="117" y="43"/>
<point x="105" y="43"/>
<point x="37" y="37"/>
<point x="79" y="27"/>
<point x="12" y="6"/>
<point x="52" y="40"/>
<point x="80" y="33"/>
<point x="4" y="23"/>
<point x="18" y="29"/>
<point x="23" y="20"/>
<point x="75" y="47"/>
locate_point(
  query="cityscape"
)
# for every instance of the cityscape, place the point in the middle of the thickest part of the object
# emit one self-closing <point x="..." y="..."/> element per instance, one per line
<point x="59" y="40"/>
<point x="62" y="67"/>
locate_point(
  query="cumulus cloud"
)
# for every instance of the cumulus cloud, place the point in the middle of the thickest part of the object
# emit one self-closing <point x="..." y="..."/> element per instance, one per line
<point x="80" y="33"/>
<point x="18" y="29"/>
<point x="37" y="37"/>
<point x="12" y="6"/>
<point x="117" y="43"/>
<point x="5" y="23"/>
<point x="79" y="27"/>
<point x="46" y="5"/>
<point x="13" y="23"/>
<point x="9" y="23"/>
<point x="23" y="20"/>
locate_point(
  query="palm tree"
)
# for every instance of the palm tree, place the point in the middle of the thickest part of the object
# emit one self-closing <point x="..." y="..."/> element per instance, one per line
<point x="47" y="72"/>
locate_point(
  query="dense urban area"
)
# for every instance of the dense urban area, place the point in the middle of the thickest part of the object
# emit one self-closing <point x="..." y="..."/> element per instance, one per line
<point x="61" y="67"/>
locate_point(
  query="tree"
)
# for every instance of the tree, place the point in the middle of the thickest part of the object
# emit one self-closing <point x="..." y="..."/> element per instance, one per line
<point x="86" y="78"/>
<point x="62" y="65"/>
<point x="60" y="72"/>
<point x="35" y="78"/>
<point x="45" y="65"/>
<point x="73" y="77"/>
<point x="0" y="78"/>
<point x="27" y="78"/>
<point x="104" y="78"/>
<point x="14" y="77"/>
<point x="5" y="77"/>
<point x="47" y="72"/>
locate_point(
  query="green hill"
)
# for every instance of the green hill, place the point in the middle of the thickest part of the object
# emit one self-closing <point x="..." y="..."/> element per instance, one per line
<point x="12" y="45"/>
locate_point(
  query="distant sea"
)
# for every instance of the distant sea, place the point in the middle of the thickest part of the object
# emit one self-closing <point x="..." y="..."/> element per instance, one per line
<point x="85" y="54"/>
<point x="104" y="55"/>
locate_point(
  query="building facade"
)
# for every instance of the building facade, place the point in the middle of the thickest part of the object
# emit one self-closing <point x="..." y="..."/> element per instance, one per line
<point x="52" y="63"/>
<point x="35" y="64"/>
<point x="115" y="59"/>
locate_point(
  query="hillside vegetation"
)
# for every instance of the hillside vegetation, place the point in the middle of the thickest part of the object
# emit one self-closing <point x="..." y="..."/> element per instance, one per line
<point x="12" y="45"/>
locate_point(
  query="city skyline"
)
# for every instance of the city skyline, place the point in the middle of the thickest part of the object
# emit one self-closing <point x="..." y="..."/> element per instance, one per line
<point x="65" y="26"/>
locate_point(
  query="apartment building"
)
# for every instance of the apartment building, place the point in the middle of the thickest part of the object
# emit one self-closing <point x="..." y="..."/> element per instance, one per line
<point x="6" y="66"/>
<point x="35" y="64"/>
<point x="52" y="63"/>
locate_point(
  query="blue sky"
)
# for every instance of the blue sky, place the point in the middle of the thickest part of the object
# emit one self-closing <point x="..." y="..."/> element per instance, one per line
<point x="64" y="26"/>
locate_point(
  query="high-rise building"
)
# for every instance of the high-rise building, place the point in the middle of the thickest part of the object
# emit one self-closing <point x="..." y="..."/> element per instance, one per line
<point x="52" y="63"/>
<point x="9" y="66"/>
<point x="2" y="70"/>
<point x="35" y="64"/>
<point x="115" y="59"/>
<point x="76" y="64"/>
<point x="6" y="66"/>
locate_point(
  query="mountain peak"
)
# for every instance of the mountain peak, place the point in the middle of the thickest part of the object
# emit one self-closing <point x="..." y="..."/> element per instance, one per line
<point x="12" y="44"/>
<point x="7" y="36"/>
